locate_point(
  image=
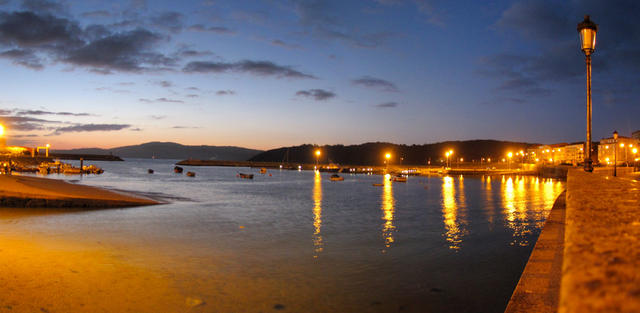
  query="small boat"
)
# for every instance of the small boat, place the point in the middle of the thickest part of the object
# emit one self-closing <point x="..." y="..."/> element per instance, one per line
<point x="263" y="170"/>
<point x="245" y="176"/>
<point x="399" y="179"/>
<point x="191" y="174"/>
<point x="378" y="185"/>
<point x="336" y="177"/>
<point x="150" y="171"/>
<point x="177" y="170"/>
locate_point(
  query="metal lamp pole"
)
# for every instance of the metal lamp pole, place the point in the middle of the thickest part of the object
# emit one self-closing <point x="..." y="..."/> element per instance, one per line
<point x="615" y="152"/>
<point x="587" y="30"/>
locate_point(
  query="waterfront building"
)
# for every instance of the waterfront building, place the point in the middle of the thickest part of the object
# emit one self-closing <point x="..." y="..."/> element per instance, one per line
<point x="636" y="135"/>
<point x="560" y="153"/>
<point x="620" y="150"/>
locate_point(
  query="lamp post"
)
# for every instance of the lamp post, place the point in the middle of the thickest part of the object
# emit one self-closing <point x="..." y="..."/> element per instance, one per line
<point x="635" y="164"/>
<point x="510" y="155"/>
<point x="615" y="152"/>
<point x="386" y="162"/>
<point x="317" y="157"/>
<point x="587" y="30"/>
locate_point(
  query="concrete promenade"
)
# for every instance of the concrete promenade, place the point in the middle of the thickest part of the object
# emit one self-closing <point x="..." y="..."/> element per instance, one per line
<point x="596" y="267"/>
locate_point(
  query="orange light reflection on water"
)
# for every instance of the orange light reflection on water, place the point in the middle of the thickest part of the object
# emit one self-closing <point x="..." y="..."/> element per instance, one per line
<point x="452" y="218"/>
<point x="317" y="213"/>
<point x="388" y="210"/>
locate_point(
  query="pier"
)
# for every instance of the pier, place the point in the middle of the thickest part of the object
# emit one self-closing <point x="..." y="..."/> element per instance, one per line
<point x="588" y="254"/>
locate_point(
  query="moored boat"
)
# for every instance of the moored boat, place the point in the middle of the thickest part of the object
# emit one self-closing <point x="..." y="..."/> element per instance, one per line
<point x="191" y="174"/>
<point x="177" y="169"/>
<point x="245" y="176"/>
<point x="336" y="177"/>
<point x="399" y="178"/>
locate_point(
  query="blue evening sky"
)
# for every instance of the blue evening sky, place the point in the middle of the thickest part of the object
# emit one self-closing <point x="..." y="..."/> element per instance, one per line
<point x="266" y="73"/>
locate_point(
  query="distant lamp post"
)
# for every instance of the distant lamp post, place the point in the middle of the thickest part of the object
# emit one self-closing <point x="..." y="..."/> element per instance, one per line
<point x="510" y="155"/>
<point x="1" y="130"/>
<point x="587" y="30"/>
<point x="387" y="157"/>
<point x="615" y="153"/>
<point x="634" y="151"/>
<point x="317" y="156"/>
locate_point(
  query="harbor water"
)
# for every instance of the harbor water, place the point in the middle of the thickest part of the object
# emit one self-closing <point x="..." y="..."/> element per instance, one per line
<point x="295" y="241"/>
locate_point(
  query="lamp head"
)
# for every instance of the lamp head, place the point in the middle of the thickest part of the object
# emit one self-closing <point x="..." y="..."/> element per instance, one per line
<point x="587" y="30"/>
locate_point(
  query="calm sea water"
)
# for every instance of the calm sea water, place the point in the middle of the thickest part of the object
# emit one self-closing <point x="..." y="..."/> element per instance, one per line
<point x="296" y="239"/>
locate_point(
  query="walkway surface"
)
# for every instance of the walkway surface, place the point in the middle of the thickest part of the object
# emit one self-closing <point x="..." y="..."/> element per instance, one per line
<point x="601" y="269"/>
<point x="24" y="191"/>
<point x="587" y="258"/>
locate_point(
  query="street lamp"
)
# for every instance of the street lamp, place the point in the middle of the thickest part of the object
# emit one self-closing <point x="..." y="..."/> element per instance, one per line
<point x="386" y="162"/>
<point x="510" y="155"/>
<point x="615" y="152"/>
<point x="635" y="161"/>
<point x="587" y="30"/>
<point x="317" y="156"/>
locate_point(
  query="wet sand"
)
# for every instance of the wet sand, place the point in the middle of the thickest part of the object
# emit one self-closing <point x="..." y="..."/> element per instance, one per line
<point x="24" y="191"/>
<point x="54" y="276"/>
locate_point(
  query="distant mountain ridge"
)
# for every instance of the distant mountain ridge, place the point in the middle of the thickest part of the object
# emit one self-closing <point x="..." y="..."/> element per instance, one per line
<point x="172" y="150"/>
<point x="372" y="153"/>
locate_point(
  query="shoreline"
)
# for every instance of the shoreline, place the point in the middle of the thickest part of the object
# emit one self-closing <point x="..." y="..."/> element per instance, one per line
<point x="31" y="192"/>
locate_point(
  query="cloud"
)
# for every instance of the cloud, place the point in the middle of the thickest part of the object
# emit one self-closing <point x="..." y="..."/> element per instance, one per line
<point x="24" y="58"/>
<point x="316" y="94"/>
<point x="259" y="68"/>
<point x="41" y="112"/>
<point x="192" y="96"/>
<point x="320" y="18"/>
<point x="386" y="105"/>
<point x="96" y="14"/>
<point x="36" y="39"/>
<point x="90" y="128"/>
<point x="556" y="56"/>
<point x="213" y="29"/>
<point x="376" y="83"/>
<point x="127" y="51"/>
<point x="225" y="92"/>
<point x="43" y="6"/>
<point x="185" y="127"/>
<point x="23" y="123"/>
<point x="280" y="43"/>
<point x="194" y="53"/>
<point x="158" y="117"/>
<point x="173" y="21"/>
<point x="163" y="100"/>
<point x="163" y="83"/>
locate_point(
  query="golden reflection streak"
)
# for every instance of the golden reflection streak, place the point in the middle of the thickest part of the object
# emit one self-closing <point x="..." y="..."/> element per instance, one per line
<point x="490" y="208"/>
<point x="450" y="214"/>
<point x="521" y="220"/>
<point x="387" y="211"/>
<point x="317" y="213"/>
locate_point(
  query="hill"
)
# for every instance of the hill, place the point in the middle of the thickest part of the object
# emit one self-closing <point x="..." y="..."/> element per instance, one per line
<point x="171" y="150"/>
<point x="373" y="153"/>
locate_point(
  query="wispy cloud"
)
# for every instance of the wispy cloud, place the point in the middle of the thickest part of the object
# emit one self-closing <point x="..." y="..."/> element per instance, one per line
<point x="386" y="105"/>
<point x="90" y="128"/>
<point x="376" y="83"/>
<point x="225" y="92"/>
<point x="316" y="94"/>
<point x="41" y="112"/>
<point x="163" y="99"/>
<point x="259" y="68"/>
<point x="213" y="29"/>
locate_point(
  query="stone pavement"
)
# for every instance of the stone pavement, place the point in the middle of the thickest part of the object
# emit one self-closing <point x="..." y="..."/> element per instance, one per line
<point x="601" y="268"/>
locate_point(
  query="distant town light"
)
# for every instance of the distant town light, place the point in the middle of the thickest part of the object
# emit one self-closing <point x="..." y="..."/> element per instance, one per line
<point x="1" y="129"/>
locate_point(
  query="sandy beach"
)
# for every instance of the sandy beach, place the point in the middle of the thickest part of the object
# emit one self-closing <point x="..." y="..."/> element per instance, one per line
<point x="25" y="191"/>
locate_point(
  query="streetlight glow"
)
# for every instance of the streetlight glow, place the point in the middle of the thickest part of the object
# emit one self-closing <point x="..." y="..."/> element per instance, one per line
<point x="1" y="129"/>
